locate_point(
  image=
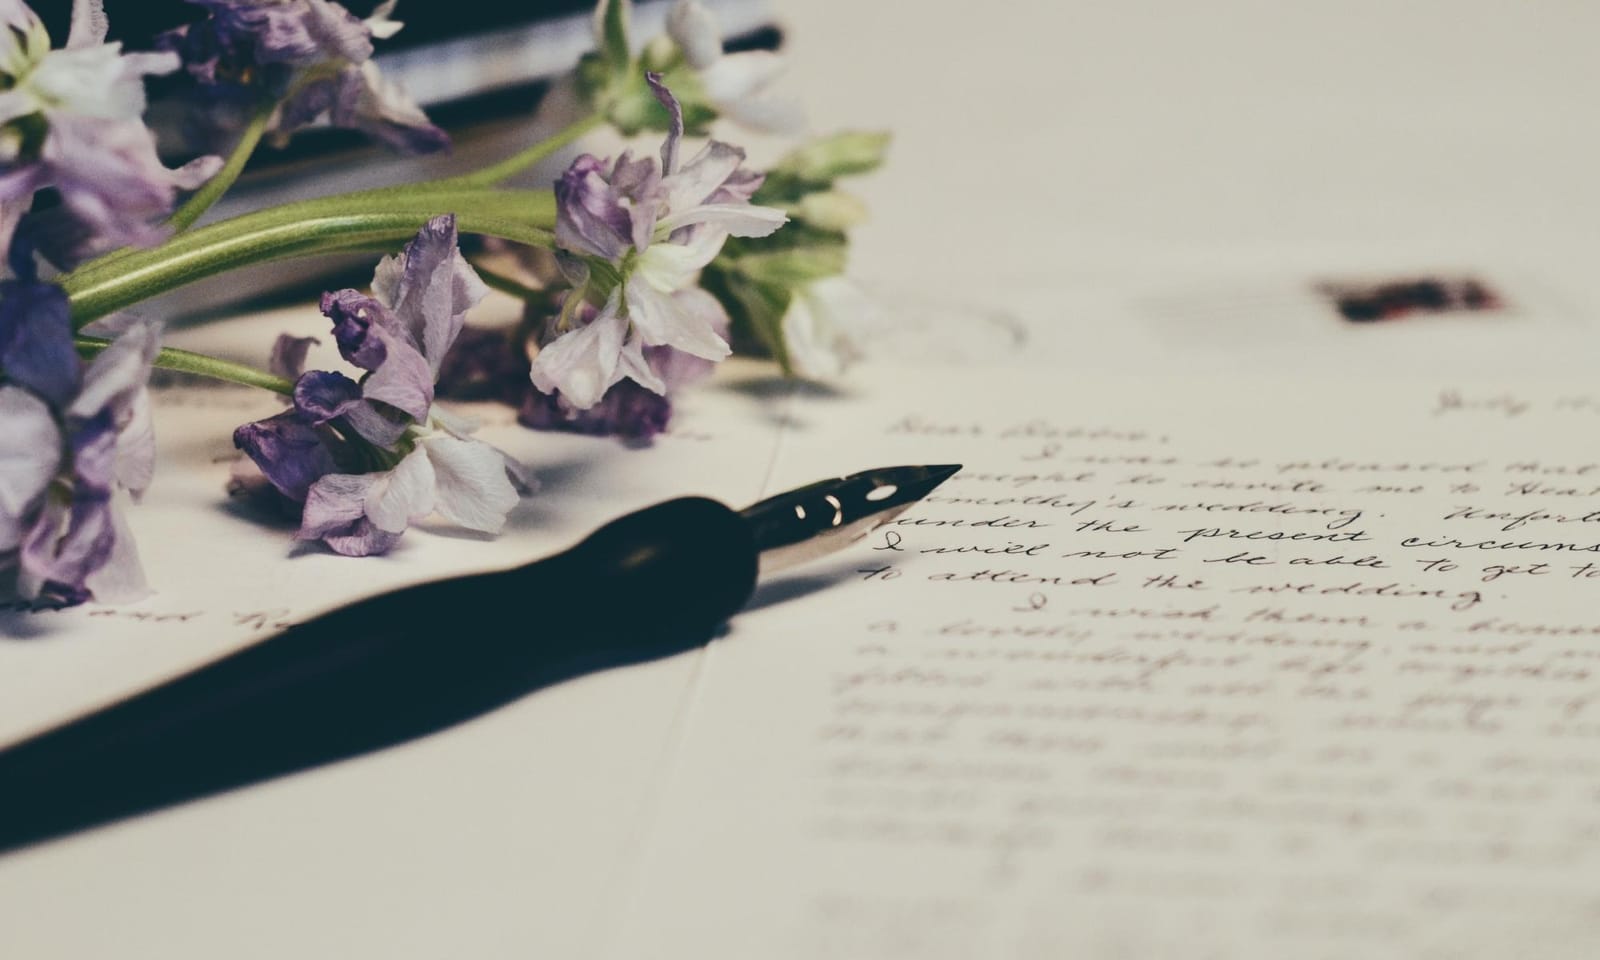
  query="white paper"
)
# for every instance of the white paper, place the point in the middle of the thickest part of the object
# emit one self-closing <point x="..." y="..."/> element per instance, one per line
<point x="1043" y="715"/>
<point x="460" y="842"/>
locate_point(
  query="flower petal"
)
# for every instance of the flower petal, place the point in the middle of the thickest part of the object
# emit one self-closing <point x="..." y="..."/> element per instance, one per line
<point x="30" y="455"/>
<point x="114" y="377"/>
<point x="582" y="363"/>
<point x="289" y="452"/>
<point x="694" y="29"/>
<point x="702" y="175"/>
<point x="741" y="75"/>
<point x="738" y="219"/>
<point x="36" y="348"/>
<point x="470" y="481"/>
<point x="661" y="321"/>
<point x="435" y="289"/>
<point x="402" y="496"/>
<point x="120" y="579"/>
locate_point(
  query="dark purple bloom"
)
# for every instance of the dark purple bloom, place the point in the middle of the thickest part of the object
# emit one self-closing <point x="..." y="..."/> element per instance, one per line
<point x="289" y="451"/>
<point x="61" y="462"/>
<point x="486" y="365"/>
<point x="36" y="348"/>
<point x="314" y="53"/>
<point x="627" y="410"/>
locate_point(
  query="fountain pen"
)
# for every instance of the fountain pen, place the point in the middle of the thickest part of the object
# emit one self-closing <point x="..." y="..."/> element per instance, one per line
<point x="401" y="665"/>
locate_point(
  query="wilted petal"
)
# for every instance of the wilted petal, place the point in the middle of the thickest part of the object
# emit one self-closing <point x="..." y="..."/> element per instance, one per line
<point x="94" y="456"/>
<point x="120" y="579"/>
<point x="289" y="451"/>
<point x="738" y="219"/>
<point x="582" y="363"/>
<point x="113" y="378"/>
<point x="472" y="489"/>
<point x="136" y="447"/>
<point x="661" y="321"/>
<point x="434" y="289"/>
<point x="333" y="503"/>
<point x="673" y="266"/>
<point x="364" y="99"/>
<point x="669" y="146"/>
<point x="633" y="364"/>
<point x="321" y="395"/>
<point x="675" y="368"/>
<point x="336" y="31"/>
<point x="402" y="496"/>
<point x="66" y="545"/>
<point x="36" y="348"/>
<point x="702" y="175"/>
<point x="288" y="359"/>
<point x="404" y="381"/>
<point x="360" y="539"/>
<point x="30" y="455"/>
<point x="590" y="217"/>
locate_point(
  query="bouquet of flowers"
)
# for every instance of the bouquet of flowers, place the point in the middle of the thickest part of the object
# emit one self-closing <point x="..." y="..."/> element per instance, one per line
<point x="638" y="272"/>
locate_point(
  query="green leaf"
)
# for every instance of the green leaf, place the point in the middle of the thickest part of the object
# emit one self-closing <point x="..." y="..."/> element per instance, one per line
<point x="830" y="210"/>
<point x="756" y="309"/>
<point x="792" y="268"/>
<point x="824" y="160"/>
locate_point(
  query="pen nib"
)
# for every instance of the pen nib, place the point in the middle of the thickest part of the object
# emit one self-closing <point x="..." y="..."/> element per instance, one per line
<point x="819" y="518"/>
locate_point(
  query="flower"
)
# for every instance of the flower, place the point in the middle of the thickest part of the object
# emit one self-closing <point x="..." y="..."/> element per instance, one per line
<point x="71" y="119"/>
<point x="733" y="84"/>
<point x="820" y="326"/>
<point x="369" y="458"/>
<point x="636" y="235"/>
<point x="630" y="408"/>
<point x="74" y="434"/>
<point x="315" y="55"/>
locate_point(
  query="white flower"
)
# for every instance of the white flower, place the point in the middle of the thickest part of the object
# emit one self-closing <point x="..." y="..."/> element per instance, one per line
<point x="821" y="325"/>
<point x="735" y="84"/>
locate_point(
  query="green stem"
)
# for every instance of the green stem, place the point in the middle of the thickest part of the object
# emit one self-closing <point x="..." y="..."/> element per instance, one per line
<point x="506" y="283"/>
<point x="517" y="162"/>
<point x="171" y="358"/>
<point x="212" y="190"/>
<point x="300" y="229"/>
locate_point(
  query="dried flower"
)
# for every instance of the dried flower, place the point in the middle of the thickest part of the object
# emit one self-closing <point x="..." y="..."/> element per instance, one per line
<point x="369" y="458"/>
<point x="637" y="235"/>
<point x="313" y="54"/>
<point x="71" y="119"/>
<point x="74" y="434"/>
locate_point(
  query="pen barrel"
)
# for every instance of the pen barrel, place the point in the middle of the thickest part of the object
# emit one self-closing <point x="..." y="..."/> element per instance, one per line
<point x="388" y="669"/>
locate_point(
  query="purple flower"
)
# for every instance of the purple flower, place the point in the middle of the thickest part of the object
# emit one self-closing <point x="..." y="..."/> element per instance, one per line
<point x="636" y="407"/>
<point x="654" y="227"/>
<point x="369" y="458"/>
<point x="314" y="54"/>
<point x="70" y="119"/>
<point x="74" y="435"/>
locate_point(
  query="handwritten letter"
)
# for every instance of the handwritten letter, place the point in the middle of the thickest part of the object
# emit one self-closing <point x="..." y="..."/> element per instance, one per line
<point x="1171" y="669"/>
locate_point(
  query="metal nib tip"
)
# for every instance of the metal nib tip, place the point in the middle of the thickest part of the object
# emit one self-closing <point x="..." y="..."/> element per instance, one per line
<point x="819" y="518"/>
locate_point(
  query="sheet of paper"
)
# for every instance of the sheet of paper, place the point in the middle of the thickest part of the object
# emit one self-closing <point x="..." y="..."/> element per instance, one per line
<point x="1250" y="668"/>
<point x="455" y="843"/>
